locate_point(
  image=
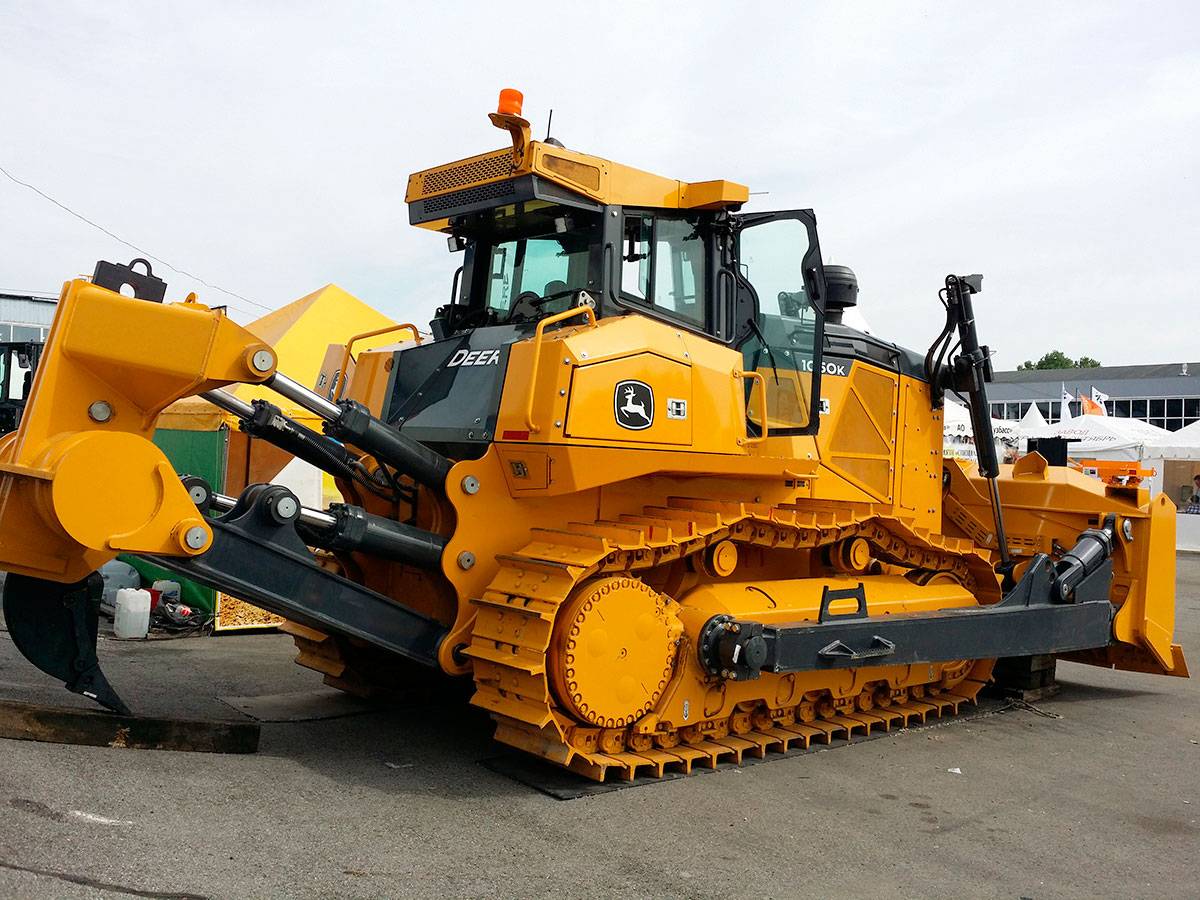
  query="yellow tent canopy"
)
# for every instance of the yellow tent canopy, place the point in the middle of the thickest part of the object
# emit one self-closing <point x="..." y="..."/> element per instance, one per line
<point x="301" y="333"/>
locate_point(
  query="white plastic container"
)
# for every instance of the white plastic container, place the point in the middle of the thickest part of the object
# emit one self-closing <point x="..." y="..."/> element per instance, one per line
<point x="117" y="575"/>
<point x="170" y="590"/>
<point x="131" y="619"/>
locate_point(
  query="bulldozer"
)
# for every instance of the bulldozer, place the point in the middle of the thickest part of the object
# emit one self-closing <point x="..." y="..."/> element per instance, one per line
<point x="639" y="482"/>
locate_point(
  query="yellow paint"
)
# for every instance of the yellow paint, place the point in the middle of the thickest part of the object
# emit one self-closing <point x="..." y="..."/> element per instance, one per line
<point x="300" y="333"/>
<point x="615" y="651"/>
<point x="590" y="176"/>
<point x="81" y="480"/>
<point x="592" y="390"/>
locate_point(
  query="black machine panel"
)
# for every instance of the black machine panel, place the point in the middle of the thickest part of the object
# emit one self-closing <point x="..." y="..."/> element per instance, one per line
<point x="446" y="393"/>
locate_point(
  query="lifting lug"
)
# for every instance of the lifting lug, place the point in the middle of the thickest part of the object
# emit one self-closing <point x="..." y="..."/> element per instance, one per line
<point x="145" y="285"/>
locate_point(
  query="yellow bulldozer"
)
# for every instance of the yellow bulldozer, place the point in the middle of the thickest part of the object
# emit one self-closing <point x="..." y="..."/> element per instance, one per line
<point x="642" y="484"/>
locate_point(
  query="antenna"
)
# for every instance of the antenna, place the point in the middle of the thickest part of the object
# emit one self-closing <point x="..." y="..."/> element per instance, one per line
<point x="548" y="122"/>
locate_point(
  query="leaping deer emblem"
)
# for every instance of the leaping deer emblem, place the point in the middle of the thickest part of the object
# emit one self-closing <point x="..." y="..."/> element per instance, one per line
<point x="632" y="408"/>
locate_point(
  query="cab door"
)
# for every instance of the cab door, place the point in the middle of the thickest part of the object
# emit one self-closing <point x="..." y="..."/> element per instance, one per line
<point x="779" y="314"/>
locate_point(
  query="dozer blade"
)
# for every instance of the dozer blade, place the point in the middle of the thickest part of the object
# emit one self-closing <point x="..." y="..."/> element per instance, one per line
<point x="54" y="626"/>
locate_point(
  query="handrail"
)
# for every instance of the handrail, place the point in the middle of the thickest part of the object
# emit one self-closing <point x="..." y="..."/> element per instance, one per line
<point x="589" y="313"/>
<point x="762" y="384"/>
<point x="341" y="372"/>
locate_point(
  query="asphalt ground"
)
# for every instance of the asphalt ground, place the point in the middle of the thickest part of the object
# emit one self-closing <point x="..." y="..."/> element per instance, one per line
<point x="1095" y="793"/>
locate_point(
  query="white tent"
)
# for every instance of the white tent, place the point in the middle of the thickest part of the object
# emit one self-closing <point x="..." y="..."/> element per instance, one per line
<point x="958" y="438"/>
<point x="1182" y="444"/>
<point x="1108" y="437"/>
<point x="1033" y="418"/>
<point x="1104" y="434"/>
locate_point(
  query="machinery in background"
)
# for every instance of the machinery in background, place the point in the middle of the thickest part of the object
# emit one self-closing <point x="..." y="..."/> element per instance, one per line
<point x="1115" y="472"/>
<point x="18" y="362"/>
<point x="643" y="486"/>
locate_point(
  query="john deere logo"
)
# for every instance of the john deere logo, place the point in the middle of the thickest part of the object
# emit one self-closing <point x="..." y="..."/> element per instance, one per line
<point x="633" y="405"/>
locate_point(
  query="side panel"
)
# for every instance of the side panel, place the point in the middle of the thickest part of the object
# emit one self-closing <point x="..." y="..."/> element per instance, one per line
<point x="919" y="462"/>
<point x="566" y="389"/>
<point x="644" y="397"/>
<point x="857" y="439"/>
<point x="447" y="392"/>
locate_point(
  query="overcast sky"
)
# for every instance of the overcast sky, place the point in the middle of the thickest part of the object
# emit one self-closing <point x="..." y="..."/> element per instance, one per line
<point x="266" y="147"/>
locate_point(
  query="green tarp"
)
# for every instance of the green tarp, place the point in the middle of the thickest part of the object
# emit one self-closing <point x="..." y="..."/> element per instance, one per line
<point x="199" y="453"/>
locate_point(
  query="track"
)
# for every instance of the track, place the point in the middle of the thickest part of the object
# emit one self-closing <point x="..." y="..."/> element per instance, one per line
<point x="516" y="615"/>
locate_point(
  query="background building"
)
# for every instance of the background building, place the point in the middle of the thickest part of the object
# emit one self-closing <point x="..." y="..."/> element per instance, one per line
<point x="25" y="317"/>
<point x="1166" y="395"/>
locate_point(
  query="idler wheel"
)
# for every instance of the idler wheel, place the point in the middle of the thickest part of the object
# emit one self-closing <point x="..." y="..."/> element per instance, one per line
<point x="613" y="651"/>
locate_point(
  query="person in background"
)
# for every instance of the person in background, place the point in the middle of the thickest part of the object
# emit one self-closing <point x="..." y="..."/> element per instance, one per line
<point x="1196" y="489"/>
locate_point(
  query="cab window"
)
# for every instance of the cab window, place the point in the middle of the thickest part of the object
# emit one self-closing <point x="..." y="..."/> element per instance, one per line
<point x="663" y="265"/>
<point x="541" y="266"/>
<point x="531" y="259"/>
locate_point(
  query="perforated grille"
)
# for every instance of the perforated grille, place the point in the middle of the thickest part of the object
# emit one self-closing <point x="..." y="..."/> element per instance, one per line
<point x="485" y="168"/>
<point x="864" y="431"/>
<point x="495" y="191"/>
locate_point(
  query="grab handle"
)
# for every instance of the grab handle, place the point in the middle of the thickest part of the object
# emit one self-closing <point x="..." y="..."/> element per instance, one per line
<point x="761" y="382"/>
<point x="589" y="314"/>
<point x="359" y="337"/>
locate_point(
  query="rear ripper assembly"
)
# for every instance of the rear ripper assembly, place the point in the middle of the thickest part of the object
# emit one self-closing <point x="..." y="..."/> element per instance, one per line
<point x="662" y="507"/>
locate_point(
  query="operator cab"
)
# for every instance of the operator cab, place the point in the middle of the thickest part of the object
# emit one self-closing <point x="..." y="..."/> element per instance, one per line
<point x="544" y="229"/>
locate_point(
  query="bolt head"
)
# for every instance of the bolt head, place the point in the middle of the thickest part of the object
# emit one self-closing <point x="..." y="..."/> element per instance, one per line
<point x="198" y="494"/>
<point x="466" y="560"/>
<point x="470" y="485"/>
<point x="262" y="360"/>
<point x="287" y="507"/>
<point x="100" y="411"/>
<point x="1127" y="529"/>
<point x="195" y="537"/>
